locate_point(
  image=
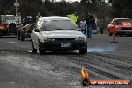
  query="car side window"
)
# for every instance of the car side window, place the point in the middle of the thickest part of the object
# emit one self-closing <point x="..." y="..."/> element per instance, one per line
<point x="116" y="22"/>
<point x="43" y="26"/>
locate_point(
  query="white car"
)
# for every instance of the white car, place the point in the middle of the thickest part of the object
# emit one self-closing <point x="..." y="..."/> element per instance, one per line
<point x="57" y="33"/>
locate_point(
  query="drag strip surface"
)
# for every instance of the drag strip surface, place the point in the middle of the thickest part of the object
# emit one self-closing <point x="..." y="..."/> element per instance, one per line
<point x="104" y="60"/>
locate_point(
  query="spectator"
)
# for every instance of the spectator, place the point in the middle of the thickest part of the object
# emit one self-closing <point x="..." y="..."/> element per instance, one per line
<point x="19" y="18"/>
<point x="82" y="25"/>
<point x="88" y="26"/>
<point x="27" y="20"/>
<point x="93" y="23"/>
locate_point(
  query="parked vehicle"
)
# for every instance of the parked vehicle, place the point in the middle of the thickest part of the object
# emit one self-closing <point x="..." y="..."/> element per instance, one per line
<point x="3" y="27"/>
<point x="11" y="23"/>
<point x="57" y="33"/>
<point x="122" y="26"/>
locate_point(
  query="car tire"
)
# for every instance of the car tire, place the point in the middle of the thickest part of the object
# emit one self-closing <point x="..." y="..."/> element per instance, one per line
<point x="33" y="49"/>
<point x="8" y="32"/>
<point x="0" y="34"/>
<point x="83" y="51"/>
<point x="42" y="51"/>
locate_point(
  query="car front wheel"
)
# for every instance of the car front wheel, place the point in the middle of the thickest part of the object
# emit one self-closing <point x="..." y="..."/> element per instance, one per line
<point x="33" y="49"/>
<point x="83" y="51"/>
<point x="42" y="51"/>
<point x="0" y="34"/>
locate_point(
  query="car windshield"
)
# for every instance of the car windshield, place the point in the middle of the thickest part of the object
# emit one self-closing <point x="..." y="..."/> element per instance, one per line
<point x="10" y="18"/>
<point x="123" y="20"/>
<point x="58" y="25"/>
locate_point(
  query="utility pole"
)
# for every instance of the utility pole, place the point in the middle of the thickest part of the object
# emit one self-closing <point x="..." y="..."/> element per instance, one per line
<point x="16" y="8"/>
<point x="16" y="4"/>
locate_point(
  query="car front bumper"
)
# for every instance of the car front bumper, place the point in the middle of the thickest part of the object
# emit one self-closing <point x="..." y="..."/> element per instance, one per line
<point x="124" y="32"/>
<point x="58" y="46"/>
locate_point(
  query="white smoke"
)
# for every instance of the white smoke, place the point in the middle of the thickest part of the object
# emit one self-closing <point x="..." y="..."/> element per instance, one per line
<point x="101" y="48"/>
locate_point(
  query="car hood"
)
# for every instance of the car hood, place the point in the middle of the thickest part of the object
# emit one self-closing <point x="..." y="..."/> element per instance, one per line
<point x="63" y="34"/>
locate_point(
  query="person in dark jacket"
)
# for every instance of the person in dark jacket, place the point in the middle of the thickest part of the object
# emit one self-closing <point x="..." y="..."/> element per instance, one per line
<point x="90" y="25"/>
<point x="93" y="23"/>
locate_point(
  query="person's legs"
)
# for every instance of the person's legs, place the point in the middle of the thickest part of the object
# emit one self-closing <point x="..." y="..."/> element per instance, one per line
<point x="90" y="30"/>
<point x="87" y="30"/>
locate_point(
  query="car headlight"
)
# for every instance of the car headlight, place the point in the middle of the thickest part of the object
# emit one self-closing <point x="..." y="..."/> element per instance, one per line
<point x="46" y="40"/>
<point x="81" y="39"/>
<point x="49" y="39"/>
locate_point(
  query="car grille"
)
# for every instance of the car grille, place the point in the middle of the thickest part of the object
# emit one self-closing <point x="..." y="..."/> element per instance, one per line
<point x="64" y="39"/>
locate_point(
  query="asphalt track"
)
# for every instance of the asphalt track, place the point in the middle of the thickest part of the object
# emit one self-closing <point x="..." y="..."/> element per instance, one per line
<point x="104" y="60"/>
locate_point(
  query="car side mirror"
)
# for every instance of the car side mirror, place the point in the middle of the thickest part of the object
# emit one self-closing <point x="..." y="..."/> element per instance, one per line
<point x="37" y="30"/>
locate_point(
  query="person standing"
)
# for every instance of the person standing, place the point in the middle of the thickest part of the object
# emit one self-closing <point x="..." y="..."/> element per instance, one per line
<point x="19" y="19"/>
<point x="94" y="26"/>
<point x="82" y="25"/>
<point x="88" y="26"/>
<point x="90" y="22"/>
